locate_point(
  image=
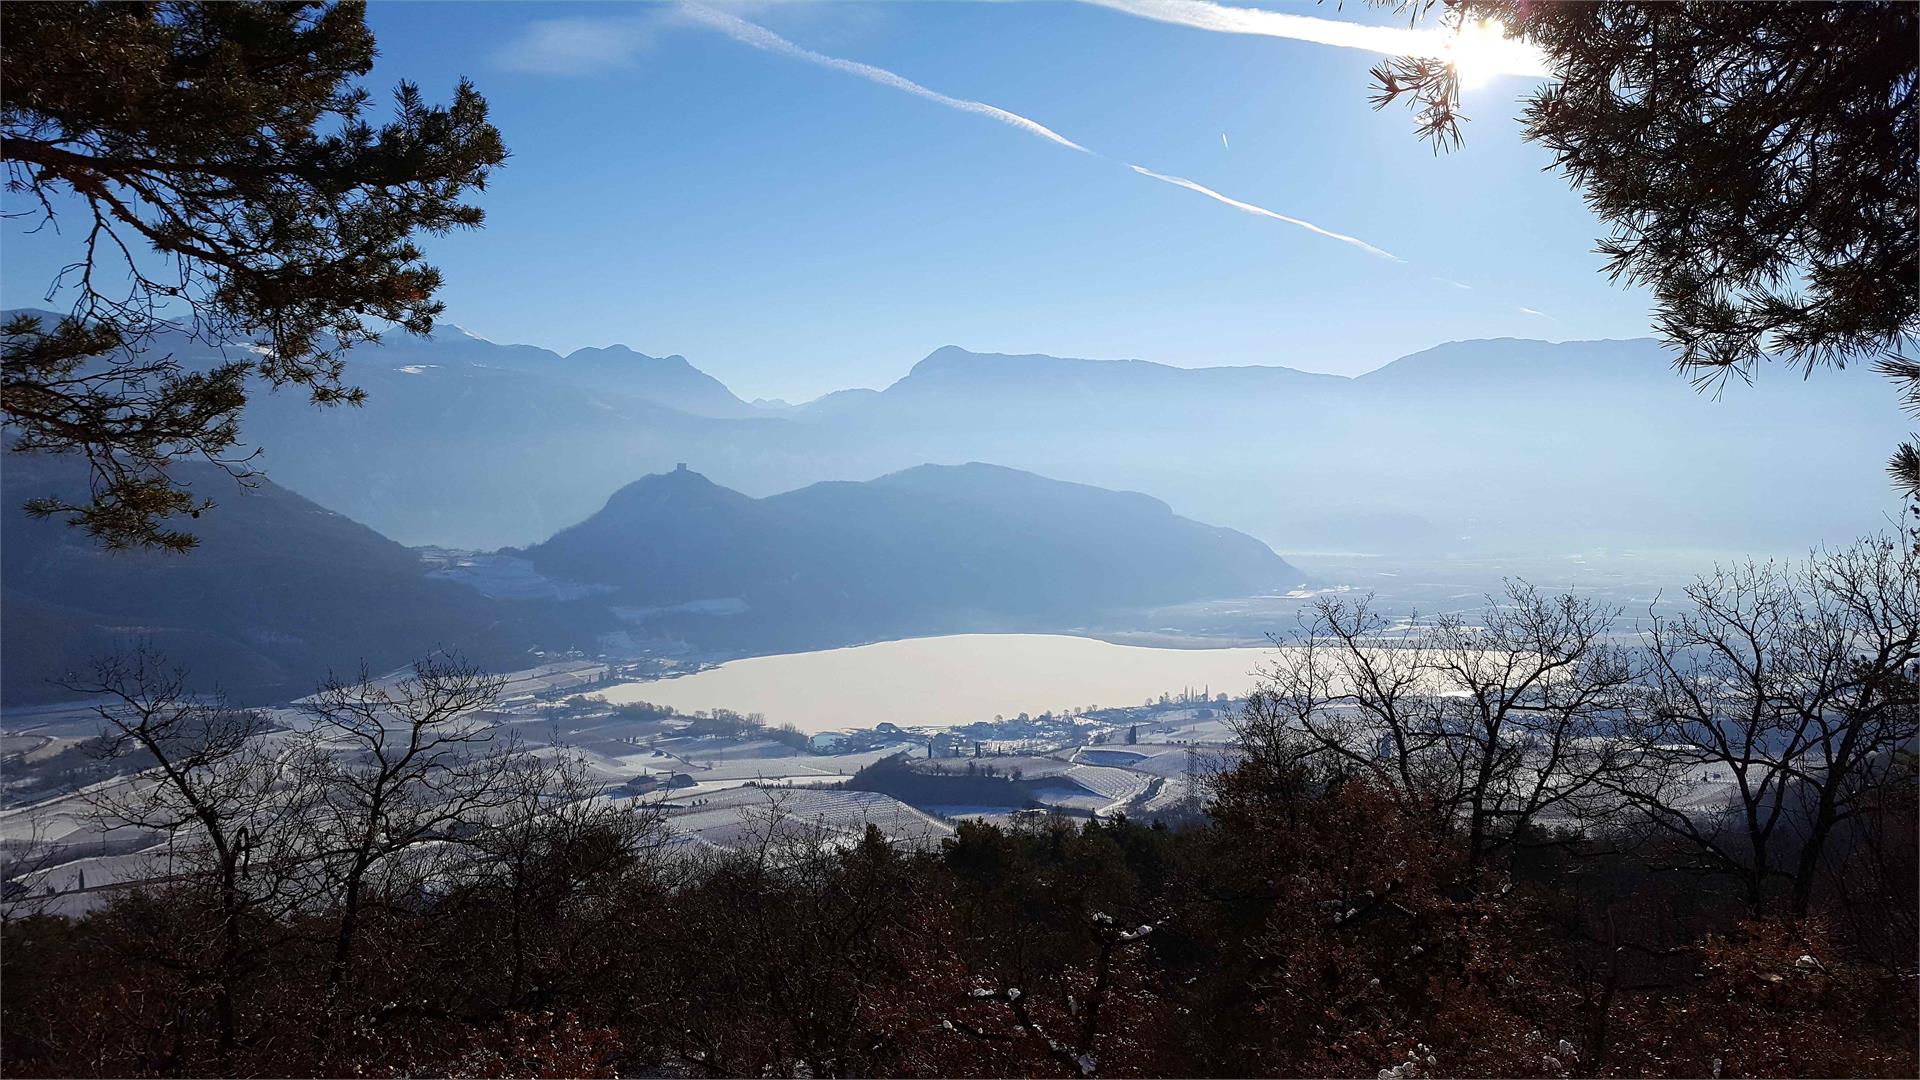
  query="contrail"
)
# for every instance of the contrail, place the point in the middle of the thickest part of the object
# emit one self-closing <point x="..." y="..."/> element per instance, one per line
<point x="1503" y="58"/>
<point x="1247" y="207"/>
<point x="762" y="38"/>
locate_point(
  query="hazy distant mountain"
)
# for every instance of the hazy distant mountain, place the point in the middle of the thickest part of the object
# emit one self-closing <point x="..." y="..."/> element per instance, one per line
<point x="662" y="380"/>
<point x="282" y="591"/>
<point x="279" y="592"/>
<point x="1503" y="446"/>
<point x="1034" y="385"/>
<point x="929" y="549"/>
<point x="668" y="539"/>
<point x="1476" y="447"/>
<point x="668" y="381"/>
<point x="1513" y="363"/>
<point x="470" y="455"/>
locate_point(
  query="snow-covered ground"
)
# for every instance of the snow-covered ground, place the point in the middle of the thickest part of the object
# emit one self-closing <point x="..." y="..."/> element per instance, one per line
<point x="746" y="815"/>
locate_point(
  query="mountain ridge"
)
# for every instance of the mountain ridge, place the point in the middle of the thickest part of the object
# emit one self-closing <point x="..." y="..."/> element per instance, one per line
<point x="931" y="549"/>
<point x="283" y="590"/>
<point x="280" y="591"/>
<point x="480" y="445"/>
<point x="943" y="361"/>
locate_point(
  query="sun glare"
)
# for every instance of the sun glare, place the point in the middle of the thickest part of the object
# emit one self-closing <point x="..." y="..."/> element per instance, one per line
<point x="1480" y="50"/>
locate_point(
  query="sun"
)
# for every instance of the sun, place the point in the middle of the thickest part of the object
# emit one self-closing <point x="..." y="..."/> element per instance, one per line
<point x="1480" y="50"/>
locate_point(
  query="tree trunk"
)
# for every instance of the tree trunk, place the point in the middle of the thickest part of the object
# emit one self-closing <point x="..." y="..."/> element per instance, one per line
<point x="1757" y="882"/>
<point x="229" y="957"/>
<point x="518" y="944"/>
<point x="342" y="961"/>
<point x="1809" y="864"/>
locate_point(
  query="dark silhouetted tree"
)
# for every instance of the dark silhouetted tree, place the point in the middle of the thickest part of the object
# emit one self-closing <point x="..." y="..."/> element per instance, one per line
<point x="1793" y="687"/>
<point x="416" y="769"/>
<point x="218" y="787"/>
<point x="218" y="170"/>
<point x="1758" y="166"/>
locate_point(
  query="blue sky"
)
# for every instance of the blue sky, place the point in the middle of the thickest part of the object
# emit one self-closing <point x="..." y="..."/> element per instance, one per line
<point x="794" y="228"/>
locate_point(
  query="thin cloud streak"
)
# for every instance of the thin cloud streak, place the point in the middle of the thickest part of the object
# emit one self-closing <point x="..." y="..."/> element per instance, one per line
<point x="766" y="40"/>
<point x="1515" y="59"/>
<point x="1250" y="208"/>
<point x="577" y="46"/>
<point x="587" y="45"/>
<point x="761" y="38"/>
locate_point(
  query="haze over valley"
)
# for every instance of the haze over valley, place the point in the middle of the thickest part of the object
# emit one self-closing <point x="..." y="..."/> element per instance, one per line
<point x="1133" y="538"/>
<point x="470" y="444"/>
<point x="521" y="477"/>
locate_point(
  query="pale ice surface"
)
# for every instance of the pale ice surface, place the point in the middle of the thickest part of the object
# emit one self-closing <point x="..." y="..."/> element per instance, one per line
<point x="950" y="680"/>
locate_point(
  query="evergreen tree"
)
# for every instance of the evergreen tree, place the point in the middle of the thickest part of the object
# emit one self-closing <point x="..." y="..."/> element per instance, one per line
<point x="1758" y="166"/>
<point x="218" y="163"/>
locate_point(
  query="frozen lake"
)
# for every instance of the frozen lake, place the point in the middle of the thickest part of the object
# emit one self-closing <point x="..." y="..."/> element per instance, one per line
<point x="957" y="679"/>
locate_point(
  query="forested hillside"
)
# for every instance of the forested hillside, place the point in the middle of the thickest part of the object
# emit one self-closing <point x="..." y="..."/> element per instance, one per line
<point x="279" y="592"/>
<point x="928" y="550"/>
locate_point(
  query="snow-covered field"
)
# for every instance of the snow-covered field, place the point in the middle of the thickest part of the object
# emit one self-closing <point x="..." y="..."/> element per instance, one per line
<point x="740" y="816"/>
<point x="720" y="790"/>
